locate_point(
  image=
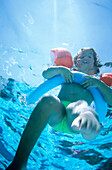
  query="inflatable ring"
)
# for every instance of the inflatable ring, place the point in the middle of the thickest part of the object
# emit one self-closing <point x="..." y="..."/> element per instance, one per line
<point x="100" y="104"/>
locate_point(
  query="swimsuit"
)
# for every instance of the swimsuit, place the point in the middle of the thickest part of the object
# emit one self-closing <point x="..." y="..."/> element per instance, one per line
<point x="62" y="126"/>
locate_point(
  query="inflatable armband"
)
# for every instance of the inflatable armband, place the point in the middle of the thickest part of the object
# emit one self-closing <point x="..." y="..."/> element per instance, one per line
<point x="106" y="78"/>
<point x="62" y="57"/>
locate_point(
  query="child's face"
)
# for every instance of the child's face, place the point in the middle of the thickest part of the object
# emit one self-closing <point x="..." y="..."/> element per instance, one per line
<point x="85" y="61"/>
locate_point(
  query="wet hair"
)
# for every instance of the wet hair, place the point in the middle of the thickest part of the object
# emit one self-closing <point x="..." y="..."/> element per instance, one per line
<point x="97" y="63"/>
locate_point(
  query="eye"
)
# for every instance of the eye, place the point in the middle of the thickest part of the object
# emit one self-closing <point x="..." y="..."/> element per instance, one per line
<point x="82" y="57"/>
<point x="89" y="56"/>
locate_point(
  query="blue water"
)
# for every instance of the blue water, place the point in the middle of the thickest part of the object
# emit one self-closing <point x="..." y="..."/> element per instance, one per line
<point x="53" y="150"/>
<point x="28" y="30"/>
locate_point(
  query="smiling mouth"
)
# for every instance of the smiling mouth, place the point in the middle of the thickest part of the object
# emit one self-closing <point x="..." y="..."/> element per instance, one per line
<point x="85" y="62"/>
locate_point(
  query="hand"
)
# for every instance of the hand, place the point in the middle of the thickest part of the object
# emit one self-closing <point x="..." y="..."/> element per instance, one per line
<point x="56" y="70"/>
<point x="108" y="64"/>
<point x="87" y="124"/>
<point x="67" y="75"/>
<point x="90" y="82"/>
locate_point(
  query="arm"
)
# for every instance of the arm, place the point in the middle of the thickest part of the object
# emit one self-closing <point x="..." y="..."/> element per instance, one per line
<point x="105" y="90"/>
<point x="53" y="71"/>
<point x="108" y="64"/>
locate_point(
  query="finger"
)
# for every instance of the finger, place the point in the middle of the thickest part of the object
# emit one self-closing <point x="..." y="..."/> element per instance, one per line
<point x="76" y="122"/>
<point x="89" y="125"/>
<point x="83" y="124"/>
<point x="73" y="76"/>
<point x="85" y="81"/>
<point x="93" y="126"/>
<point x="86" y="86"/>
<point x="98" y="128"/>
<point x="70" y="78"/>
<point x="66" y="79"/>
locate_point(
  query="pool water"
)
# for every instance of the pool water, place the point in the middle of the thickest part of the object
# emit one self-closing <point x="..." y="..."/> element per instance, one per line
<point x="54" y="150"/>
<point x="28" y="30"/>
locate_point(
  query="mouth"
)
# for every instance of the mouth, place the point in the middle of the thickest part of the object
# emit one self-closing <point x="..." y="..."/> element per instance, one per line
<point x="85" y="62"/>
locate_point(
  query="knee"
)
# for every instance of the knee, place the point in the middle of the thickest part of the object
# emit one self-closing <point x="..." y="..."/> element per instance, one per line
<point x="47" y="101"/>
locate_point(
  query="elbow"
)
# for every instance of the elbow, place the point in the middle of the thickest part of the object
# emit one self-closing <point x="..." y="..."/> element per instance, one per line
<point x="44" y="74"/>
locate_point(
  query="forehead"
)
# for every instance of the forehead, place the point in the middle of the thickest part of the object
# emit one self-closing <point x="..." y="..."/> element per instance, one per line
<point x="87" y="52"/>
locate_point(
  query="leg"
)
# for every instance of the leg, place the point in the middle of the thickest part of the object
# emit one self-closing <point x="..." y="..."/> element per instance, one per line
<point x="81" y="118"/>
<point x="73" y="111"/>
<point x="49" y="109"/>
